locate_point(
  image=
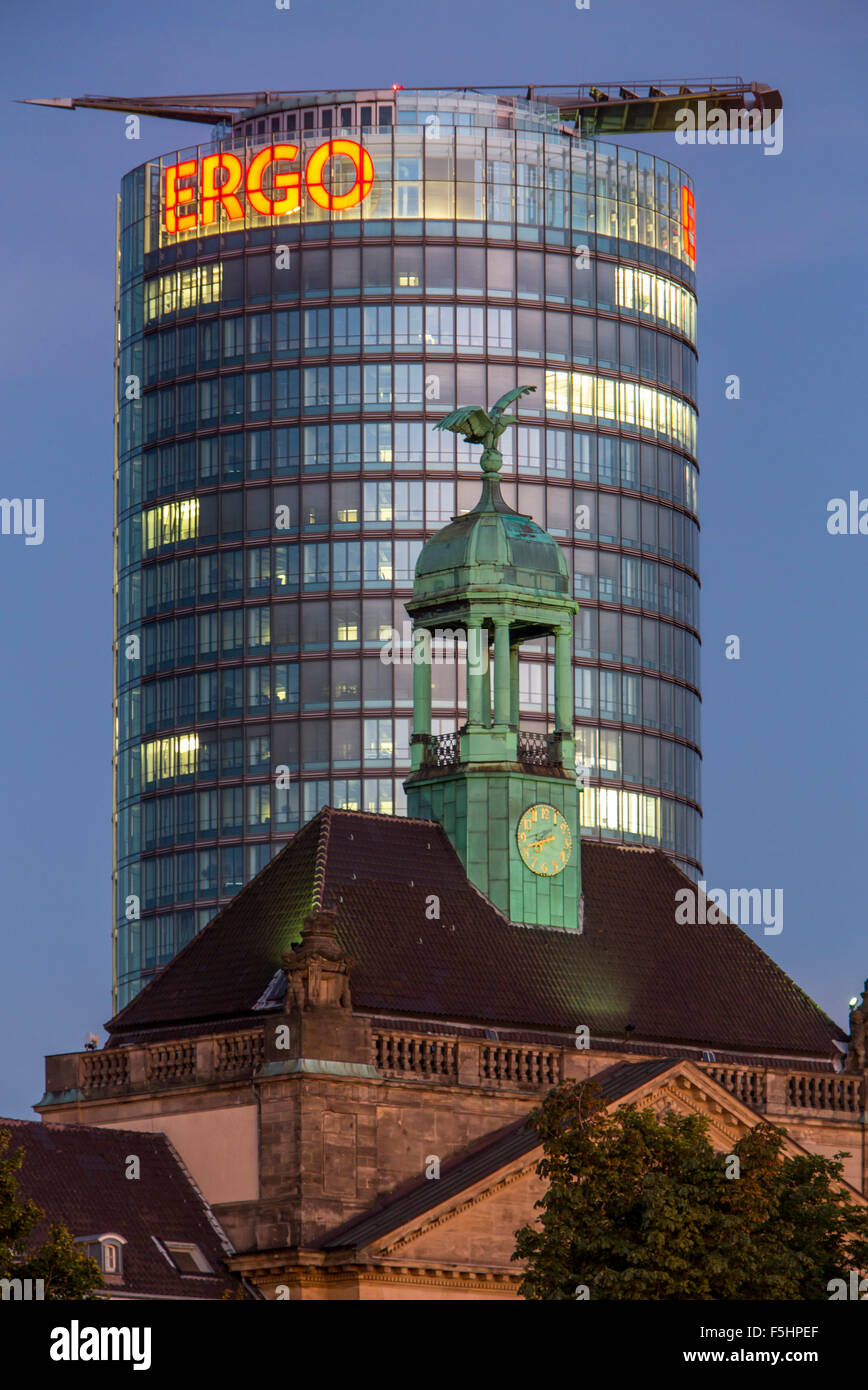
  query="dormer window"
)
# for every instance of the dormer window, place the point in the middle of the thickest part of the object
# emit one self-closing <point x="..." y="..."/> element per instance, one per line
<point x="107" y="1250"/>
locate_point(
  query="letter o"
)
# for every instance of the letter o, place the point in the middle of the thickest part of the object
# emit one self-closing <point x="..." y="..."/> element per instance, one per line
<point x="260" y="201"/>
<point x="313" y="174"/>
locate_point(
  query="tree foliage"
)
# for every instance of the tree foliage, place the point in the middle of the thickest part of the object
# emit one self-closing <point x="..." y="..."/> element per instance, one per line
<point x="642" y="1208"/>
<point x="66" y="1271"/>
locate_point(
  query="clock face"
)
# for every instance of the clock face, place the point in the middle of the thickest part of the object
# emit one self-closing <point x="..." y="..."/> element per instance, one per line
<point x="544" y="839"/>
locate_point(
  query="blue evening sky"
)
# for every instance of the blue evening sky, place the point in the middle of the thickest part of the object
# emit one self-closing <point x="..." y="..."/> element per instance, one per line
<point x="781" y="276"/>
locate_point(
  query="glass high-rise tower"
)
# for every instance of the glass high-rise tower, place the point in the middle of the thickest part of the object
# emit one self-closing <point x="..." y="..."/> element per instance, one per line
<point x="299" y="302"/>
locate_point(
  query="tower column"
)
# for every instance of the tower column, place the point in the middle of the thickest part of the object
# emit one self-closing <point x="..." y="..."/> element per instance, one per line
<point x="485" y="661"/>
<point x="502" y="673"/>
<point x="564" y="709"/>
<point x="421" y="681"/>
<point x="513" y="687"/>
<point x="475" y="683"/>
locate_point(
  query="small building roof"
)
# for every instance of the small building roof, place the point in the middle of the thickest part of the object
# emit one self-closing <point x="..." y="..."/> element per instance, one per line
<point x="77" y="1174"/>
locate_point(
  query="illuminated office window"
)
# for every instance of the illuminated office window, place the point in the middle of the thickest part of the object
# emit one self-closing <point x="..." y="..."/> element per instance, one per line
<point x="166" y="758"/>
<point x="182" y="289"/>
<point x="170" y="523"/>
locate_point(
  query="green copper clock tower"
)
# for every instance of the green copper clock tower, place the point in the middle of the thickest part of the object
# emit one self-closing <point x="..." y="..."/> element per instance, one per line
<point x="507" y="799"/>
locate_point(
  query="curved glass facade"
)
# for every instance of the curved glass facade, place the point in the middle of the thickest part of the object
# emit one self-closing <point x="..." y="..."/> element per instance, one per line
<point x="279" y="377"/>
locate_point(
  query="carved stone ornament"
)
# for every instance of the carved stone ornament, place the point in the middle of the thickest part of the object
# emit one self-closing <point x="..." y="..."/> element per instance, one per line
<point x="317" y="970"/>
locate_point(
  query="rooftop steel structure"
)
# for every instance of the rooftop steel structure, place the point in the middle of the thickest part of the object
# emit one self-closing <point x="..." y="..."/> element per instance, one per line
<point x="597" y="109"/>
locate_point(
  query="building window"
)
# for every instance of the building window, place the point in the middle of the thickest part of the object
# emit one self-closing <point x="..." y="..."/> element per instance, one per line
<point x="187" y="1258"/>
<point x="378" y="797"/>
<point x="408" y="325"/>
<point x="378" y="326"/>
<point x="378" y="502"/>
<point x="530" y="680"/>
<point x="500" y="335"/>
<point x="379" y="744"/>
<point x="470" y="327"/>
<point x="440" y="503"/>
<point x="440" y="325"/>
<point x="408" y="503"/>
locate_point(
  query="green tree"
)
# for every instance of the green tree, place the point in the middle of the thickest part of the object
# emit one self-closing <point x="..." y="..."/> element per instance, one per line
<point x="66" y="1271"/>
<point x="644" y="1208"/>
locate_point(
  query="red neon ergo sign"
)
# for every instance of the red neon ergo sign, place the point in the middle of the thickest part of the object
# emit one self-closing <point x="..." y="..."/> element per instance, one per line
<point x="688" y="221"/>
<point x="195" y="181"/>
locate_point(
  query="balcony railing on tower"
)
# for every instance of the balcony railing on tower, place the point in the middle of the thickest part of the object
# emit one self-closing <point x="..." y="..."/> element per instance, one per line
<point x="534" y="750"/>
<point x="538" y="750"/>
<point x="442" y="750"/>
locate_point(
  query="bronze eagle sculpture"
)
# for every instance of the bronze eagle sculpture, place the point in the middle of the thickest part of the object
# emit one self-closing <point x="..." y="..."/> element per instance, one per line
<point x="480" y="426"/>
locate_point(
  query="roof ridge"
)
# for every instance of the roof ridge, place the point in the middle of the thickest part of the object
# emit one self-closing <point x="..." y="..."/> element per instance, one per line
<point x="322" y="851"/>
<point x="266" y="868"/>
<point x="389" y="816"/>
<point x="68" y="1126"/>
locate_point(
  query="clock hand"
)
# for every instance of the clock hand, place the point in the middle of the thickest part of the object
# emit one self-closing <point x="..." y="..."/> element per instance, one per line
<point x="536" y="843"/>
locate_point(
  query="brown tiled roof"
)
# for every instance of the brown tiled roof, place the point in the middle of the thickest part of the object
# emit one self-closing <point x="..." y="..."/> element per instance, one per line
<point x="700" y="986"/>
<point x="479" y="1161"/>
<point x="77" y="1175"/>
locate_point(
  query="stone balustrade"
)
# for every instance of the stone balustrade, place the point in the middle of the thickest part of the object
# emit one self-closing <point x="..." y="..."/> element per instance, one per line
<point x="747" y="1085"/>
<point x="170" y="1064"/>
<point x="520" y="1066"/>
<point x="239" y="1054"/>
<point x="130" y="1070"/>
<point x="432" y="1059"/>
<point x="808" y="1091"/>
<point x="103" y="1071"/>
<point x="415" y="1054"/>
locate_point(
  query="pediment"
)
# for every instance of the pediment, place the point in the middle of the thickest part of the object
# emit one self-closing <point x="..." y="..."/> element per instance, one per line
<point x="475" y="1226"/>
